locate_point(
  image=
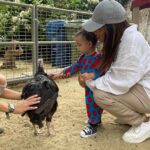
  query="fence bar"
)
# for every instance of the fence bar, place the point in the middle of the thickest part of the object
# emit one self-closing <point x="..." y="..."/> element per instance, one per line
<point x="16" y="4"/>
<point x="34" y="38"/>
<point x="56" y="42"/>
<point x="18" y="80"/>
<point x="65" y="10"/>
<point x="36" y="51"/>
<point x="23" y="43"/>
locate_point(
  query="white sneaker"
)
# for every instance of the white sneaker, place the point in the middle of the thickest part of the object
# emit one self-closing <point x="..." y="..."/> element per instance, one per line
<point x="137" y="134"/>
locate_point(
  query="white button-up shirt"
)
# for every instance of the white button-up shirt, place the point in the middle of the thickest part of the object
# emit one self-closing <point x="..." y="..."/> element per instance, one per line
<point x="131" y="66"/>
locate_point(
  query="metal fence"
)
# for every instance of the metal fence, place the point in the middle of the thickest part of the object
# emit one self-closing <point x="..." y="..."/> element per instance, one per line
<point x="29" y="32"/>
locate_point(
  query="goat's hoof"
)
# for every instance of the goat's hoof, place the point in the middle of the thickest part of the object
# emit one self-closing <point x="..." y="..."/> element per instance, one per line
<point x="48" y="134"/>
<point x="36" y="134"/>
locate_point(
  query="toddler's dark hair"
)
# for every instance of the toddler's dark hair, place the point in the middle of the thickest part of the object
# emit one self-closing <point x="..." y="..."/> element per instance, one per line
<point x="89" y="36"/>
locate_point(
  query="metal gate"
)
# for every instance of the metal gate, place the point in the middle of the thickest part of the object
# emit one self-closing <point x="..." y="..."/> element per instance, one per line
<point x="29" y="32"/>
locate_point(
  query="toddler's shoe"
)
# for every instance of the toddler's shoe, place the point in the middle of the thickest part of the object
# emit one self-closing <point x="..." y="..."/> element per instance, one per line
<point x="88" y="131"/>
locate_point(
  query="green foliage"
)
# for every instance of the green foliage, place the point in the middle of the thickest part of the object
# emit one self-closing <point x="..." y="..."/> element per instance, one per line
<point x="84" y="5"/>
<point x="38" y="2"/>
<point x="123" y="2"/>
<point x="13" y="19"/>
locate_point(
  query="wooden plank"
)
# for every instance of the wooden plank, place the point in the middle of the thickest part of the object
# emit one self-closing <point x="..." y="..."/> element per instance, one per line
<point x="136" y="15"/>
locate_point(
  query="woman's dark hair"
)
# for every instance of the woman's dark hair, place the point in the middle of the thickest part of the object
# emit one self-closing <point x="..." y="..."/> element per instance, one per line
<point x="113" y="36"/>
<point x="89" y="36"/>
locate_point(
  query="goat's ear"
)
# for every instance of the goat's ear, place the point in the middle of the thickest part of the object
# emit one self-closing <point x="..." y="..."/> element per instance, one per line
<point x="46" y="84"/>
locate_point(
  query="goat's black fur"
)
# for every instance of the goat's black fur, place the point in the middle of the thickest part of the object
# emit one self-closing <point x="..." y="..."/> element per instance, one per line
<point x="47" y="89"/>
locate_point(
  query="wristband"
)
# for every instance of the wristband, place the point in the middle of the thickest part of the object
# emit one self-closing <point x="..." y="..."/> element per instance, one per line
<point x="11" y="108"/>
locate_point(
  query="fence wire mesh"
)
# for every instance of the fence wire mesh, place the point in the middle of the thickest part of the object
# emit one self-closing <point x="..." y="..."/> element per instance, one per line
<point x="29" y="32"/>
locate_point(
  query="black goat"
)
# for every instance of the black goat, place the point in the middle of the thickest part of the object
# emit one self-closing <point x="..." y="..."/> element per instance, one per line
<point x="47" y="89"/>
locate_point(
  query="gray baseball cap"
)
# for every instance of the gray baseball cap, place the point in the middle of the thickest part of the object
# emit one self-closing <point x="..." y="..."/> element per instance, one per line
<point x="106" y="12"/>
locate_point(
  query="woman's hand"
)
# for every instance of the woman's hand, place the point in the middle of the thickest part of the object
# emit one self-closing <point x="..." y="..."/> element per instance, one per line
<point x="87" y="76"/>
<point x="81" y="81"/>
<point x="82" y="78"/>
<point x="25" y="105"/>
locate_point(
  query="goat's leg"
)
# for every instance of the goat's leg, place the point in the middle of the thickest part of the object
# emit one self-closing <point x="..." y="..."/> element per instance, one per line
<point x="40" y="133"/>
<point x="48" y="128"/>
<point x="35" y="130"/>
<point x="52" y="133"/>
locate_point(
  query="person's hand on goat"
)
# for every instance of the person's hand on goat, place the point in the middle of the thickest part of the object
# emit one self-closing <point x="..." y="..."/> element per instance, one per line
<point x="28" y="104"/>
<point x="59" y="75"/>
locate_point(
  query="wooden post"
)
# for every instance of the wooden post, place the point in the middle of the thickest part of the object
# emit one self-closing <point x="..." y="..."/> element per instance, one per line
<point x="136" y="15"/>
<point x="148" y="27"/>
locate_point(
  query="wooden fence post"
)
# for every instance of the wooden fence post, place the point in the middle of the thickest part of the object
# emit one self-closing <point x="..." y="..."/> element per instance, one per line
<point x="136" y="15"/>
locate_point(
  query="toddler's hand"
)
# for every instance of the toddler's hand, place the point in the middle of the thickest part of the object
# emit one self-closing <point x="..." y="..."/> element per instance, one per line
<point x="59" y="75"/>
<point x="55" y="75"/>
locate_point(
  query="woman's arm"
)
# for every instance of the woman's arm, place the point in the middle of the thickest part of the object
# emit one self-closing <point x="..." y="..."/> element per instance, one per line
<point x="11" y="94"/>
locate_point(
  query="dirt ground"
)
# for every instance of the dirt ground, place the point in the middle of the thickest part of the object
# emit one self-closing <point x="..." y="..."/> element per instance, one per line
<point x="65" y="127"/>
